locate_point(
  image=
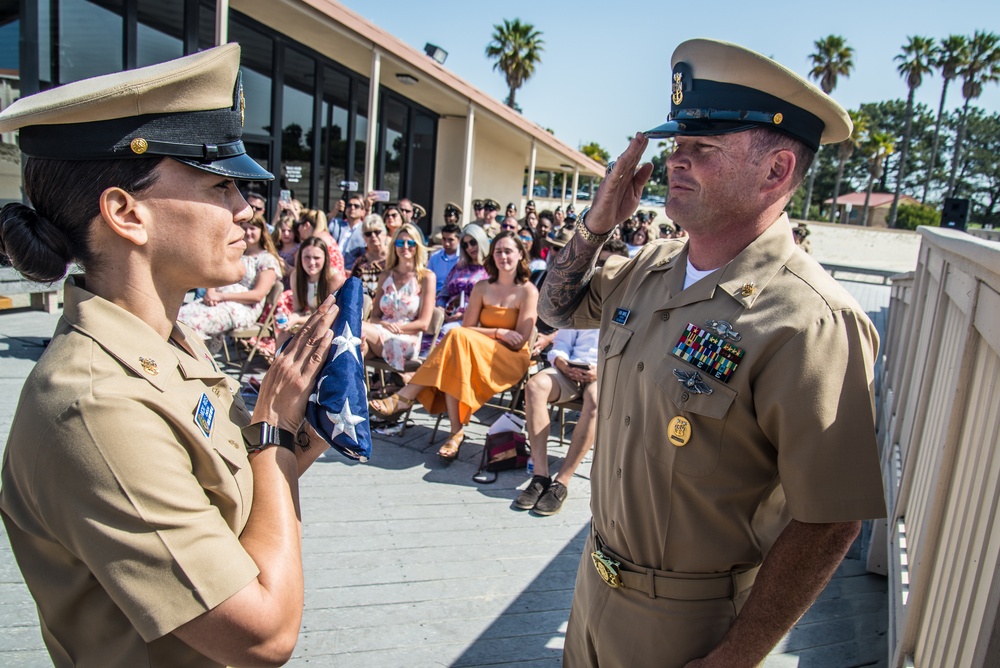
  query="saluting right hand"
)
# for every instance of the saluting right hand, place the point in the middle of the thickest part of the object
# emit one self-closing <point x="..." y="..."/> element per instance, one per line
<point x="619" y="193"/>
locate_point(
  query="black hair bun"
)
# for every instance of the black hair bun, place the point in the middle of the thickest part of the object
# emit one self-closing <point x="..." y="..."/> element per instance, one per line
<point x="33" y="245"/>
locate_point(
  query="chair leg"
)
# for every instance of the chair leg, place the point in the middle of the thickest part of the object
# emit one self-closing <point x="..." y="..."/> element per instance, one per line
<point x="437" y="424"/>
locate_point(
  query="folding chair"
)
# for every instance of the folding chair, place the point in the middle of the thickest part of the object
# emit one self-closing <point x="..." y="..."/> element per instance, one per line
<point x="262" y="329"/>
<point x="561" y="408"/>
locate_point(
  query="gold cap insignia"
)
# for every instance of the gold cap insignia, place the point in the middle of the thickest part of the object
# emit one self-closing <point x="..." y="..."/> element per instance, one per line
<point x="679" y="431"/>
<point x="677" y="95"/>
<point x="139" y="145"/>
<point x="778" y="118"/>
<point x="748" y="289"/>
<point x="149" y="366"/>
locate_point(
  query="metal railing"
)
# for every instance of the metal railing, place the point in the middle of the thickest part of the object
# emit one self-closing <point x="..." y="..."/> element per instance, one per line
<point x="939" y="427"/>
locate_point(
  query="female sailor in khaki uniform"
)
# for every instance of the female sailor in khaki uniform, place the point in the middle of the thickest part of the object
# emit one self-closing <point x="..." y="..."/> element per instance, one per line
<point x="153" y="524"/>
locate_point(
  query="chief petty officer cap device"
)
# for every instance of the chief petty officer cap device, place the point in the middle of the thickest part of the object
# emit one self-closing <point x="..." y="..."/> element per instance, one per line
<point x="189" y="109"/>
<point x="717" y="88"/>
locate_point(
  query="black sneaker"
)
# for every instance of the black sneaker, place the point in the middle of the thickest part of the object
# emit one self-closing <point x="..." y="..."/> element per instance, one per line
<point x="551" y="502"/>
<point x="529" y="497"/>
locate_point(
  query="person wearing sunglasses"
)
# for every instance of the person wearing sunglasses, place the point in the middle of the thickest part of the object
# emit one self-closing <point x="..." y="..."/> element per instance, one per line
<point x="393" y="219"/>
<point x="464" y="275"/>
<point x="347" y="232"/>
<point x="369" y="266"/>
<point x="509" y="224"/>
<point x="442" y="261"/>
<point x="403" y="304"/>
<point x="487" y="354"/>
<point x="535" y="260"/>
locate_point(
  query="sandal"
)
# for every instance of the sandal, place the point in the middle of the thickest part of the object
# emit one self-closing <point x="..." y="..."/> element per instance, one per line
<point x="389" y="406"/>
<point x="449" y="451"/>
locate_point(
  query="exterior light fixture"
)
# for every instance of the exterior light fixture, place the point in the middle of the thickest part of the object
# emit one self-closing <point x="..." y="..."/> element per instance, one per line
<point x="436" y="52"/>
<point x="407" y="79"/>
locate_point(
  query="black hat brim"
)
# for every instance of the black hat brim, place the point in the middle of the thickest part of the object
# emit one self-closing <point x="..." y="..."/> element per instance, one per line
<point x="241" y="167"/>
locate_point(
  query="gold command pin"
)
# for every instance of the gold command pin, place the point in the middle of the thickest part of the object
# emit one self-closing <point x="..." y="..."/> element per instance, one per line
<point x="679" y="431"/>
<point x="149" y="366"/>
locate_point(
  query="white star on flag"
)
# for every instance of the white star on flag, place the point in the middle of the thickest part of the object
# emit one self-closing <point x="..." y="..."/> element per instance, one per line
<point x="344" y="422"/>
<point x="347" y="342"/>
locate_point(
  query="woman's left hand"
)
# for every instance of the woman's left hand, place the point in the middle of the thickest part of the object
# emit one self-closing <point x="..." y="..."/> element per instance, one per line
<point x="287" y="385"/>
<point x="392" y="327"/>
<point x="211" y="297"/>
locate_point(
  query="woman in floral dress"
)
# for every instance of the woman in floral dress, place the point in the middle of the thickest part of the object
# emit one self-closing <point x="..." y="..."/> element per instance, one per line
<point x="464" y="275"/>
<point x="404" y="302"/>
<point x="239" y="305"/>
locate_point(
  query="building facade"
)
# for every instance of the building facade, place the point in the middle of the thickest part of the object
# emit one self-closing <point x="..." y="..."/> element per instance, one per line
<point x="315" y="75"/>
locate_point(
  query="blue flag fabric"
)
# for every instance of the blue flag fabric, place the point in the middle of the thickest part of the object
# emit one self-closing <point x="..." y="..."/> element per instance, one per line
<point x="338" y="409"/>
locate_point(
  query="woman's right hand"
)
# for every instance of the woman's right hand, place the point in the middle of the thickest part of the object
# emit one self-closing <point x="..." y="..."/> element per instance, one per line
<point x="287" y="385"/>
<point x="511" y="337"/>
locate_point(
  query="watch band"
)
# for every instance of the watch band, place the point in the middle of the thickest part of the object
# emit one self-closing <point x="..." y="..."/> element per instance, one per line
<point x="586" y="234"/>
<point x="262" y="435"/>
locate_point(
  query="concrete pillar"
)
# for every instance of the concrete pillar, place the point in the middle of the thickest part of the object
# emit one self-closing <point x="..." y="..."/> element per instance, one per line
<point x="562" y="198"/>
<point x="531" y="171"/>
<point x="576" y="184"/>
<point x="221" y="22"/>
<point x="470" y="137"/>
<point x="372" y="139"/>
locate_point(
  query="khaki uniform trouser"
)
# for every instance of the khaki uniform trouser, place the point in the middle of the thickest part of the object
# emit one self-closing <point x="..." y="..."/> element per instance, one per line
<point x="627" y="627"/>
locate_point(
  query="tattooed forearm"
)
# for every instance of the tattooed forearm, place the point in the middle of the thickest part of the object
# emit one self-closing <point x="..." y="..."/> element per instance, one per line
<point x="567" y="282"/>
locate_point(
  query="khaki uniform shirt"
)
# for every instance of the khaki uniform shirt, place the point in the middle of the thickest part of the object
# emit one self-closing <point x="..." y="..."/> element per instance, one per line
<point x="123" y="515"/>
<point x="790" y="435"/>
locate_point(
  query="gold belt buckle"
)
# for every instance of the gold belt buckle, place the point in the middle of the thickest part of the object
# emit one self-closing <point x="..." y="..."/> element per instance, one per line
<point x="607" y="569"/>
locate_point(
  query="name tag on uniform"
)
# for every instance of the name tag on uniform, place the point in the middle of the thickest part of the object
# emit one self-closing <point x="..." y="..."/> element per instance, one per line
<point x="621" y="316"/>
<point x="204" y="415"/>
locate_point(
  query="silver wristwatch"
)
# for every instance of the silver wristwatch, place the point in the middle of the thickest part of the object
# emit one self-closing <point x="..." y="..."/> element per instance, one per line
<point x="262" y="435"/>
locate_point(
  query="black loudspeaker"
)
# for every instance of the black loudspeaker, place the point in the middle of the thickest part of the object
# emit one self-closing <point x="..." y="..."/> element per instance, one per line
<point x="955" y="213"/>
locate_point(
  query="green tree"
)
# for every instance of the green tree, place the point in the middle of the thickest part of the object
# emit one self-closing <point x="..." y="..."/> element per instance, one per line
<point x="982" y="67"/>
<point x="951" y="57"/>
<point x="913" y="215"/>
<point x="877" y="146"/>
<point x="595" y="151"/>
<point x="845" y="150"/>
<point x="659" y="161"/>
<point x="517" y="49"/>
<point x="915" y="61"/>
<point x="832" y="59"/>
<point x="979" y="175"/>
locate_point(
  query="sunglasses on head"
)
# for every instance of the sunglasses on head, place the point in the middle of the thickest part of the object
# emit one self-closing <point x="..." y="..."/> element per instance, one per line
<point x="406" y="243"/>
<point x="372" y="233"/>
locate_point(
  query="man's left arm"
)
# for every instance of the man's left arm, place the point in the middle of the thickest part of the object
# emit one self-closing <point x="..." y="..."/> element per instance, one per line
<point x="795" y="571"/>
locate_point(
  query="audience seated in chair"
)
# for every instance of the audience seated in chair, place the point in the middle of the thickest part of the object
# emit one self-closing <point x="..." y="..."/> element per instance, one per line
<point x="286" y="242"/>
<point x="486" y="355"/>
<point x="312" y="223"/>
<point x="239" y="305"/>
<point x="369" y="266"/>
<point x="403" y="303"/>
<point x="464" y="276"/>
<point x="313" y="280"/>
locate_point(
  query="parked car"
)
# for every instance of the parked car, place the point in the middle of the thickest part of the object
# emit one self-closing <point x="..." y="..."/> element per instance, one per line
<point x="537" y="191"/>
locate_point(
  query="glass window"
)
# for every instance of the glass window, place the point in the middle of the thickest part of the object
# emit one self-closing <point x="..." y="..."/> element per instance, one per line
<point x="256" y="62"/>
<point x="90" y="38"/>
<point x="10" y="156"/>
<point x="360" y="132"/>
<point x="333" y="142"/>
<point x="395" y="117"/>
<point x="160" y="32"/>
<point x="420" y="166"/>
<point x="206" y="25"/>
<point x="10" y="38"/>
<point x="297" y="125"/>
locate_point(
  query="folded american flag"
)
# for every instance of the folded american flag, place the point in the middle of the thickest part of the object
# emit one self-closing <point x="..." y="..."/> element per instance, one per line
<point x="338" y="409"/>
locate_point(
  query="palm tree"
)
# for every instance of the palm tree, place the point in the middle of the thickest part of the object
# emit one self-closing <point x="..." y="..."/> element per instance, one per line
<point x="916" y="60"/>
<point x="845" y="150"/>
<point x="983" y="67"/>
<point x="951" y="57"/>
<point x="516" y="48"/>
<point x="877" y="146"/>
<point x="832" y="59"/>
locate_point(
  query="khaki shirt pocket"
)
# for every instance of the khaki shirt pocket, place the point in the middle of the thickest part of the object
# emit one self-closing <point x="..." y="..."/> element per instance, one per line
<point x="612" y="345"/>
<point x="707" y="416"/>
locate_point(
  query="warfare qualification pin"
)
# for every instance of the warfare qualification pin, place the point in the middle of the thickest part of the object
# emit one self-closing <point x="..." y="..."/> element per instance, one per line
<point x="692" y="381"/>
<point x="679" y="431"/>
<point x="748" y="289"/>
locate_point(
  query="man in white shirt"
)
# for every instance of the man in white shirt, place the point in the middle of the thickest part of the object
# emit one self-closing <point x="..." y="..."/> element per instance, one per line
<point x="572" y="375"/>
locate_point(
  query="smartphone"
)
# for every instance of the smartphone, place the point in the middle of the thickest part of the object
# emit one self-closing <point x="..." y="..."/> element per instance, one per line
<point x="285" y="196"/>
<point x="381" y="195"/>
<point x="579" y="365"/>
<point x="349" y="185"/>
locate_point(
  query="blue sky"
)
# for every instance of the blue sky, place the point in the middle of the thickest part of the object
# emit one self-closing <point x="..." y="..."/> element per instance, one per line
<point x="605" y="69"/>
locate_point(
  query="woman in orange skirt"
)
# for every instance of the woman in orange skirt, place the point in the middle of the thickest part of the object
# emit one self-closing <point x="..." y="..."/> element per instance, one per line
<point x="487" y="354"/>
